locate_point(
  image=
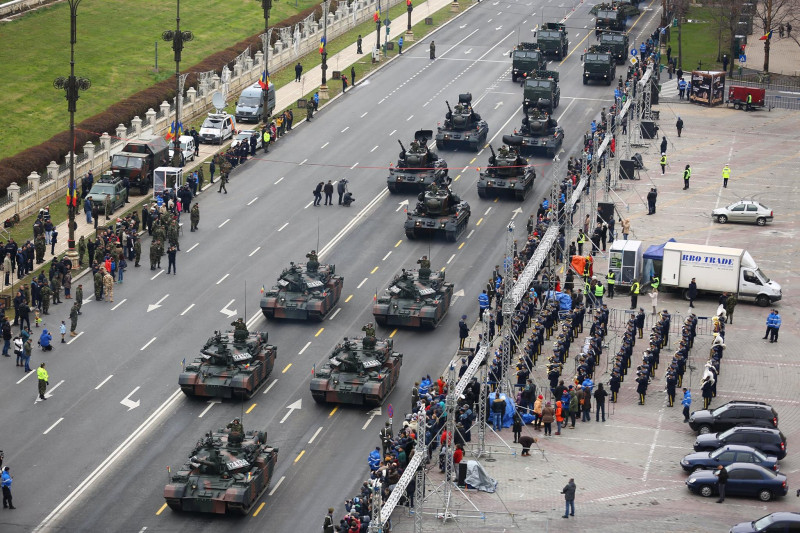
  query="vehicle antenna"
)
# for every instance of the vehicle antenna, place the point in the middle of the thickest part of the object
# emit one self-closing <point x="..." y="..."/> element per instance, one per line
<point x="245" y="300"/>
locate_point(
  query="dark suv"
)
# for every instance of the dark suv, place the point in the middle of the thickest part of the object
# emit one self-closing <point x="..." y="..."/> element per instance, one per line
<point x="736" y="413"/>
<point x="769" y="441"/>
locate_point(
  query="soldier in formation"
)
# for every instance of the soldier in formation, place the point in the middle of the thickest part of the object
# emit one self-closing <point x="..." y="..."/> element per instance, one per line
<point x="194" y="216"/>
<point x="108" y="287"/>
<point x="73" y="317"/>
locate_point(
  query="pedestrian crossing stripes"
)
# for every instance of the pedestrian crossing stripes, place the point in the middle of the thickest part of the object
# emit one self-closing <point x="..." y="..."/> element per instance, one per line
<point x="669" y="89"/>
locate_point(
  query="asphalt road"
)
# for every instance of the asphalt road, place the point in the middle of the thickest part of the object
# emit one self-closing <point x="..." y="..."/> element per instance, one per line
<point x="94" y="456"/>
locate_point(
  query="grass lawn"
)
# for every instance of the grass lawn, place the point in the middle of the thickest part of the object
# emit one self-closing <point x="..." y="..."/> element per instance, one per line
<point x="115" y="50"/>
<point x="700" y="43"/>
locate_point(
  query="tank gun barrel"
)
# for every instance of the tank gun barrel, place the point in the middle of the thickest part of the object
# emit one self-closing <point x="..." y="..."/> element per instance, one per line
<point x="491" y="149"/>
<point x="401" y="146"/>
<point x="448" y="106"/>
<point x="204" y="462"/>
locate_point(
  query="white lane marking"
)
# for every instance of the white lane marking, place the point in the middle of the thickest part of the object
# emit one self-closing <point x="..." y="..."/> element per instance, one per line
<point x="314" y="436"/>
<point x="304" y="348"/>
<point x="347" y="128"/>
<point x="187" y="310"/>
<point x="374" y="148"/>
<point x="278" y="484"/>
<point x="362" y="283"/>
<point x="226" y="221"/>
<point x="308" y="204"/>
<point x="630" y="494"/>
<point x="386" y="256"/>
<point x="364" y="114"/>
<point x="154" y="277"/>
<point x="335" y="313"/>
<point x="303" y="161"/>
<point x="274" y="381"/>
<point x="324" y="145"/>
<point x="470" y="234"/>
<point x="211" y="404"/>
<point x="223" y="278"/>
<point x="254" y="252"/>
<point x="654" y="443"/>
<point x="487" y="211"/>
<point x="279" y="180"/>
<point x="382" y="100"/>
<point x="393" y="132"/>
<point x="409" y="118"/>
<point x="73" y="339"/>
<point x="143" y="348"/>
<point x="193" y="247"/>
<point x="451" y="258"/>
<point x="53" y="426"/>
<point x="256" y="198"/>
<point x="25" y="376"/>
<point x="104" y="381"/>
<point x="286" y="224"/>
<point x="120" y="303"/>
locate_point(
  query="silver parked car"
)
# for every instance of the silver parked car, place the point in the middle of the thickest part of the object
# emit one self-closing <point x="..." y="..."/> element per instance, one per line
<point x="743" y="211"/>
<point x="245" y="135"/>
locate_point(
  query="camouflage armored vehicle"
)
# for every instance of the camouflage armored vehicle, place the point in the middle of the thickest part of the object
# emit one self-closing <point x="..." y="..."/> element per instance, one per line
<point x="599" y="64"/>
<point x="611" y="17"/>
<point x="227" y="472"/>
<point x="233" y="364"/>
<point x="525" y="58"/>
<point x="508" y="172"/>
<point x="552" y="39"/>
<point x="359" y="371"/>
<point x="540" y="133"/>
<point x="438" y="211"/>
<point x="616" y="43"/>
<point x="415" y="298"/>
<point x="304" y="292"/>
<point x="463" y="127"/>
<point x="543" y="93"/>
<point x="418" y="166"/>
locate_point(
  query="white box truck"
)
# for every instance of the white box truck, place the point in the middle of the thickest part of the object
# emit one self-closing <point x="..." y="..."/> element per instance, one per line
<point x="717" y="270"/>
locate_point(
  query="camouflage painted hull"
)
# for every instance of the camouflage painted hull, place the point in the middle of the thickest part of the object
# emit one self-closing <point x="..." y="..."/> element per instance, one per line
<point x="465" y="140"/>
<point x="546" y="146"/>
<point x="516" y="187"/>
<point x="450" y="227"/>
<point x="414" y="315"/>
<point x="401" y="180"/>
<point x="296" y="306"/>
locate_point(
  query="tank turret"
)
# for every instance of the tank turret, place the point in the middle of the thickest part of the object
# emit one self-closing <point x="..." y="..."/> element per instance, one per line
<point x="305" y="292"/>
<point x="415" y="298"/>
<point x="438" y="210"/>
<point x="540" y="133"/>
<point x="417" y="166"/>
<point x="507" y="171"/>
<point x="462" y="126"/>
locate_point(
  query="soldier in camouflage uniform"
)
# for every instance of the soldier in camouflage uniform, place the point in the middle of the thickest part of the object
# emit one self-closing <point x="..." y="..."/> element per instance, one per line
<point x="81" y="250"/>
<point x="195" y="216"/>
<point x="98" y="284"/>
<point x="201" y="177"/>
<point x="154" y="257"/>
<point x="137" y="250"/>
<point x="172" y="235"/>
<point x="40" y="246"/>
<point x="73" y="318"/>
<point x="160" y="252"/>
<point x="237" y="431"/>
<point x="369" y="336"/>
<point x="108" y="287"/>
<point x="79" y="298"/>
<point x="313" y="261"/>
<point x="45" y="295"/>
<point x="99" y="253"/>
<point x="107" y="206"/>
<point x="424" y="267"/>
<point x="55" y="286"/>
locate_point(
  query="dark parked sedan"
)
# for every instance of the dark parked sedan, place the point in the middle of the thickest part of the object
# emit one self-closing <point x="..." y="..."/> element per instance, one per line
<point x="743" y="480"/>
<point x="781" y="521"/>
<point x="769" y="441"/>
<point x="728" y="455"/>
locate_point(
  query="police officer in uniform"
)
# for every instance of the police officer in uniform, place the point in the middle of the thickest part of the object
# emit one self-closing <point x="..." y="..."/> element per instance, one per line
<point x="611" y="281"/>
<point x="672" y="381"/>
<point x="634" y="294"/>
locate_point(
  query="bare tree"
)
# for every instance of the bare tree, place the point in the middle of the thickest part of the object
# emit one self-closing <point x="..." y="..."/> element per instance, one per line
<point x="772" y="13"/>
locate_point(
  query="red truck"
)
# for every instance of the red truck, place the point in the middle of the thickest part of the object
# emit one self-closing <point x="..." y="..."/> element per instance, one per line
<point x="738" y="97"/>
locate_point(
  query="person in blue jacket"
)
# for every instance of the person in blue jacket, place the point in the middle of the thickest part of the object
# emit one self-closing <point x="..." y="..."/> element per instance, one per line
<point x="374" y="459"/>
<point x="44" y="341"/>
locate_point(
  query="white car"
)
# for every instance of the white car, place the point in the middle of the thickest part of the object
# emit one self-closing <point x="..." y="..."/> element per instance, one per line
<point x="217" y="128"/>
<point x="245" y="135"/>
<point x="187" y="149"/>
<point x="743" y="211"/>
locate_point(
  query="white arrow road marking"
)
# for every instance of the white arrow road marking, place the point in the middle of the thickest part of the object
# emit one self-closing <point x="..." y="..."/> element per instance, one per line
<point x="292" y="407"/>
<point x="49" y="394"/>
<point x="87" y="300"/>
<point x="402" y="204"/>
<point x="226" y="311"/>
<point x="517" y="211"/>
<point x="498" y="104"/>
<point x="207" y="409"/>
<point x="127" y="402"/>
<point x="372" y="414"/>
<point x="468" y="51"/>
<point x="156" y="305"/>
<point x="456" y="296"/>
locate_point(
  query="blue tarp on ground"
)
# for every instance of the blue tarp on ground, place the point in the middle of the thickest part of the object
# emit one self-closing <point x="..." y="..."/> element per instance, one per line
<point x="564" y="300"/>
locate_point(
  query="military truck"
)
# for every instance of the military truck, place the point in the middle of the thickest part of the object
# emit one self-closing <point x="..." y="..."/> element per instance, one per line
<point x="415" y="298"/>
<point x="540" y="133"/>
<point x="507" y="172"/>
<point x="232" y="364"/>
<point x="438" y="212"/>
<point x="110" y="186"/>
<point x="552" y="39"/>
<point x="227" y="472"/>
<point x="616" y="43"/>
<point x="610" y="17"/>
<point x="138" y="159"/>
<point x="418" y="166"/>
<point x="304" y="291"/>
<point x="359" y="371"/>
<point x="525" y="58"/>
<point x="599" y="64"/>
<point x="463" y="127"/>
<point x="543" y="93"/>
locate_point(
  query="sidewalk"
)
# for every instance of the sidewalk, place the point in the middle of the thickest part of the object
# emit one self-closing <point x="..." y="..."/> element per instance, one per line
<point x="784" y="54"/>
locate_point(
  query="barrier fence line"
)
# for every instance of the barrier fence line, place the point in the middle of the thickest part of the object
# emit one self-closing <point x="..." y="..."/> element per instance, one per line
<point x="517" y="293"/>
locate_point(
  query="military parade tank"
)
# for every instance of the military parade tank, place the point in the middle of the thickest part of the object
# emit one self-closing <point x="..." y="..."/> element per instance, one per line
<point x="507" y="172"/>
<point x="304" y="292"/>
<point x="359" y="371"/>
<point x="233" y="364"/>
<point x="463" y="127"/>
<point x="418" y="166"/>
<point x="438" y="211"/>
<point x="415" y="298"/>
<point x="227" y="472"/>
<point x="540" y="133"/>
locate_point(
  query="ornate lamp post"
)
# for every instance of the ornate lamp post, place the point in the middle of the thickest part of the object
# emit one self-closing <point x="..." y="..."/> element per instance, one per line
<point x="377" y="19"/>
<point x="266" y="5"/>
<point x="72" y="85"/>
<point x="177" y="37"/>
<point x="409" y="32"/>
<point x="323" y="50"/>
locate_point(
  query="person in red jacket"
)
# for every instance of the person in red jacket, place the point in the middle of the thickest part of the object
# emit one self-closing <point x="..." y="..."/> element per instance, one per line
<point x="458" y="455"/>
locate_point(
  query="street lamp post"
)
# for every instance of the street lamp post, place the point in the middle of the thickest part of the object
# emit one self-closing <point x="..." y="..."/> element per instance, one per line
<point x="409" y="32"/>
<point x="177" y="37"/>
<point x="323" y="50"/>
<point x="72" y="85"/>
<point x="266" y="5"/>
<point x="377" y="19"/>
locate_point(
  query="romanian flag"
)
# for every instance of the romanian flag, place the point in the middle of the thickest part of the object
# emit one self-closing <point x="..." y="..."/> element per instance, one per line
<point x="171" y="132"/>
<point x="375" y="298"/>
<point x="313" y="369"/>
<point x="376" y="17"/>
<point x="766" y="37"/>
<point x="179" y="131"/>
<point x="263" y="290"/>
<point x="72" y="194"/>
<point x="322" y="43"/>
<point x="169" y="469"/>
<point x="263" y="81"/>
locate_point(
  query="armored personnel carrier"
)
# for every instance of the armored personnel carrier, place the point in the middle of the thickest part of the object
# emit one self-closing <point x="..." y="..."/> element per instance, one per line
<point x="540" y="133"/>
<point x="418" y="166"/>
<point x="463" y="127"/>
<point x="507" y="172"/>
<point x="438" y="211"/>
<point x="359" y="371"/>
<point x="233" y="364"/>
<point x="303" y="292"/>
<point x="227" y="472"/>
<point x="415" y="298"/>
